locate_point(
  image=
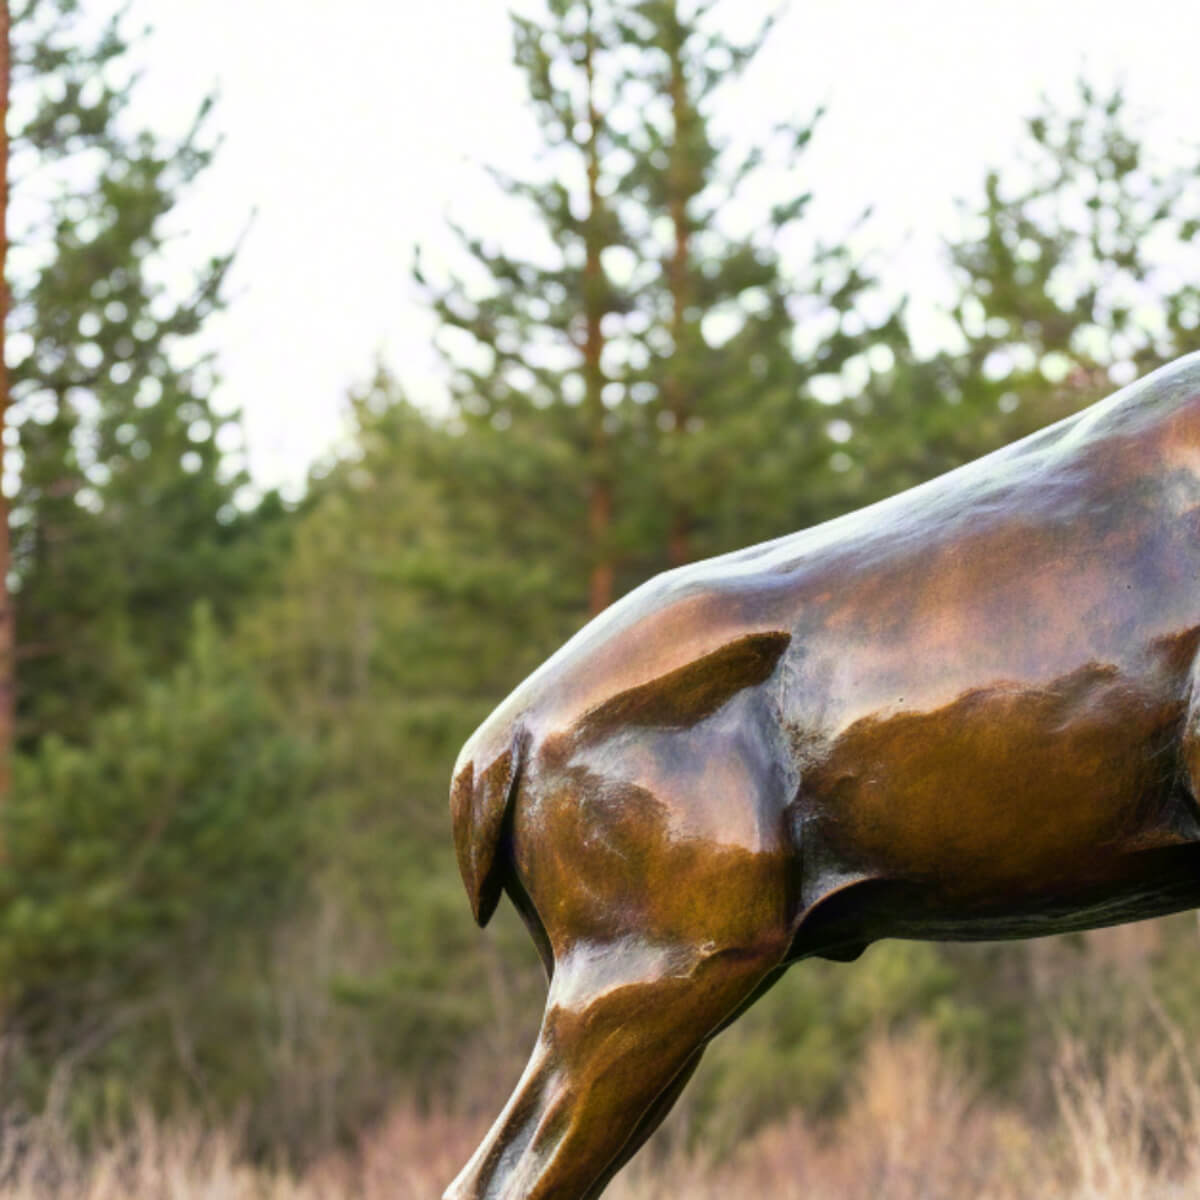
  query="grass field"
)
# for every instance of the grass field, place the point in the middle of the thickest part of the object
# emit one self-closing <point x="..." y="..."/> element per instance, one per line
<point x="914" y="1129"/>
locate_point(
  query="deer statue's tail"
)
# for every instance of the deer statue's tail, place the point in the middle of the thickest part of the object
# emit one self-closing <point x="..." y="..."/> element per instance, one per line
<point x="485" y="783"/>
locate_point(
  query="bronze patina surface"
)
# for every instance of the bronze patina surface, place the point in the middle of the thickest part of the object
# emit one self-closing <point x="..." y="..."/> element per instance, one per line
<point x="968" y="711"/>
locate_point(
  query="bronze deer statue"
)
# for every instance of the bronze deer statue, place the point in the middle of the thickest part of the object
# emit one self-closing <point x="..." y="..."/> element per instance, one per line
<point x="967" y="712"/>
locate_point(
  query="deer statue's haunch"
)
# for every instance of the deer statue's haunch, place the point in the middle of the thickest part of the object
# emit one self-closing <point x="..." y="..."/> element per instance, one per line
<point x="967" y="712"/>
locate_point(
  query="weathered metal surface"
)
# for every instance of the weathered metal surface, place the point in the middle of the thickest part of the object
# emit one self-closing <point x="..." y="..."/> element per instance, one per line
<point x="965" y="712"/>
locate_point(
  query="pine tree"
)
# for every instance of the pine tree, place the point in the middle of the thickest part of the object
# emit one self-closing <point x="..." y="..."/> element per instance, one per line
<point x="1079" y="275"/>
<point x="126" y="515"/>
<point x="406" y="609"/>
<point x="1075" y="274"/>
<point x="731" y="334"/>
<point x="645" y="367"/>
<point x="7" y="624"/>
<point x="541" y="322"/>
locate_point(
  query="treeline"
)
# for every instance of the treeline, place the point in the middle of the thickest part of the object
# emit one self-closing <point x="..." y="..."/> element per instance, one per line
<point x="226" y="881"/>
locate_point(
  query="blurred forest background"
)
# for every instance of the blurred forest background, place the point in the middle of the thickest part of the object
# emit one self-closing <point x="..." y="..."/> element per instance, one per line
<point x="227" y="891"/>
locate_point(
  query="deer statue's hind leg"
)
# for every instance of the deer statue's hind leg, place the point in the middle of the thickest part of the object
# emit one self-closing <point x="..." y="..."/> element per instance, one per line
<point x="623" y="1028"/>
<point x="658" y="873"/>
<point x="652" y="955"/>
<point x="652" y="1118"/>
<point x="657" y="1113"/>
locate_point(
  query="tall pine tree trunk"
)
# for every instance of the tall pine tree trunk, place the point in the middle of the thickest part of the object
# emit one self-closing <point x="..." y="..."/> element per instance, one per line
<point x="678" y="272"/>
<point x="7" y="656"/>
<point x="600" y="490"/>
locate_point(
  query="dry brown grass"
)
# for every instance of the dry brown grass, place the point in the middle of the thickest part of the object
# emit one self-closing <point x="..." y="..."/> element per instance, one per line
<point x="915" y="1128"/>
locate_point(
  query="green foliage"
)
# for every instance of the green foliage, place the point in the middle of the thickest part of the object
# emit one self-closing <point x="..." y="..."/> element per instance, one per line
<point x="1075" y="274"/>
<point x="131" y="864"/>
<point x="651" y="350"/>
<point x="407" y="609"/>
<point x="126" y="513"/>
<point x="227" y="876"/>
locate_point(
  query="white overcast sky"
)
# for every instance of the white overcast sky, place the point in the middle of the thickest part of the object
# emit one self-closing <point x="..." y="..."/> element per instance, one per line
<point x="353" y="128"/>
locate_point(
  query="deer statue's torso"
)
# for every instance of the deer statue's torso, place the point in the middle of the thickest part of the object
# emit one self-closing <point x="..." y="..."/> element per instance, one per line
<point x="964" y="712"/>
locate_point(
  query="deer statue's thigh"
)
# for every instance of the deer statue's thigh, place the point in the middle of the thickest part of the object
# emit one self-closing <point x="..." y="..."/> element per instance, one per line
<point x="663" y="918"/>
